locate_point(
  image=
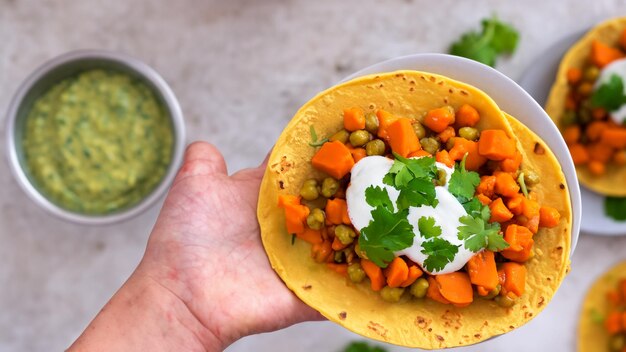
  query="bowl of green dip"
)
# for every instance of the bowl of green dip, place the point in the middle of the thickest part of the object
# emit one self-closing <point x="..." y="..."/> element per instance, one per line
<point x="95" y="137"/>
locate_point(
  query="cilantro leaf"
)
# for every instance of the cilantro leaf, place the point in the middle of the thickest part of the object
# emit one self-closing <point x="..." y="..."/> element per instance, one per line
<point x="363" y="347"/>
<point x="478" y="233"/>
<point x="473" y="207"/>
<point x="440" y="252"/>
<point x="386" y="233"/>
<point x="417" y="193"/>
<point x="610" y="95"/>
<point x="378" y="196"/>
<point x="496" y="38"/>
<point x="427" y="227"/>
<point x="314" y="142"/>
<point x="615" y="207"/>
<point x="404" y="170"/>
<point x="463" y="183"/>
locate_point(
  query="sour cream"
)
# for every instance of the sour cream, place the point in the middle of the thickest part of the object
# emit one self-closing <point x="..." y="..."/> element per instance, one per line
<point x="617" y="67"/>
<point x="370" y="171"/>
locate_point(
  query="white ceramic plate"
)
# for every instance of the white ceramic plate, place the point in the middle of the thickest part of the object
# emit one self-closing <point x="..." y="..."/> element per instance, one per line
<point x="537" y="81"/>
<point x="508" y="95"/>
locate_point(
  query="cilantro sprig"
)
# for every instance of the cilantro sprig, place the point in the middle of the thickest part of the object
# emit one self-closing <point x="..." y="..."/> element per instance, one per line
<point x="463" y="183"/>
<point x="496" y="38"/>
<point x="439" y="251"/>
<point x="478" y="233"/>
<point x="314" y="142"/>
<point x="389" y="231"/>
<point x="615" y="207"/>
<point x="413" y="178"/>
<point x="428" y="228"/>
<point x="610" y="94"/>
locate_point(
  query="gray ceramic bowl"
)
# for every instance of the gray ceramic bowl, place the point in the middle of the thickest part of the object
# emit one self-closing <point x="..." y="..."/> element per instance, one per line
<point x="67" y="65"/>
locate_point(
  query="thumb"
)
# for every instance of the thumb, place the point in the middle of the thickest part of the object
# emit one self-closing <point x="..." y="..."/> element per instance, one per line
<point x="202" y="158"/>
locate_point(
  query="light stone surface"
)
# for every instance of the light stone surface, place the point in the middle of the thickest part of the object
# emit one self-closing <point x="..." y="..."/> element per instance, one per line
<point x="240" y="69"/>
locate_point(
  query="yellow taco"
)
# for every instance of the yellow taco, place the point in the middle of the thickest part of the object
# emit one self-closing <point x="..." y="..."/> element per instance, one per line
<point x="587" y="103"/>
<point x="602" y="324"/>
<point x="408" y="208"/>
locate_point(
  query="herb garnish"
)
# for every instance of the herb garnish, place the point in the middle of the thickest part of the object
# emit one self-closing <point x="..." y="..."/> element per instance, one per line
<point x="440" y="252"/>
<point x="496" y="38"/>
<point x="615" y="207"/>
<point x="388" y="231"/>
<point x="413" y="178"/>
<point x="610" y="94"/>
<point x="427" y="227"/>
<point x="363" y="347"/>
<point x="463" y="183"/>
<point x="314" y="142"/>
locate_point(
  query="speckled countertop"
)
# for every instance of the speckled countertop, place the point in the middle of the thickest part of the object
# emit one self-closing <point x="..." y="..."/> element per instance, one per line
<point x="240" y="69"/>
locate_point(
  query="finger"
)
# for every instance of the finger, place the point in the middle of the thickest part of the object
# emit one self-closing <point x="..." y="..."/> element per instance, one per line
<point x="202" y="158"/>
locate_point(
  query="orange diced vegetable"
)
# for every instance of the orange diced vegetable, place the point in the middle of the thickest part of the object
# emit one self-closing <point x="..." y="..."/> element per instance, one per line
<point x="530" y="208"/>
<point x="496" y="145"/>
<point x="419" y="153"/>
<point x="499" y="212"/>
<point x="402" y="137"/>
<point x="600" y="152"/>
<point x="443" y="157"/>
<point x="440" y="118"/>
<point x="396" y="272"/>
<point x="571" y="134"/>
<point x="358" y="154"/>
<point x="353" y="119"/>
<point x="511" y="164"/>
<point x="487" y="185"/>
<point x="482" y="270"/>
<point x="375" y="273"/>
<point x="579" y="153"/>
<point x="548" y="216"/>
<point x="520" y="240"/>
<point x="602" y="54"/>
<point x="467" y="116"/>
<point x="598" y="113"/>
<point x="464" y="146"/>
<point x="333" y="158"/>
<point x="596" y="167"/>
<point x="515" y="204"/>
<point x="484" y="200"/>
<point x="311" y="236"/>
<point x="613" y="323"/>
<point x="574" y="74"/>
<point x="614" y="297"/>
<point x="446" y="134"/>
<point x="322" y="252"/>
<point x="433" y="291"/>
<point x="337" y="245"/>
<point x="456" y="287"/>
<point x="295" y="213"/>
<point x="594" y="130"/>
<point x="337" y="212"/>
<point x="619" y="157"/>
<point x="505" y="184"/>
<point x="614" y="137"/>
<point x="341" y="269"/>
<point x="384" y="120"/>
<point x="414" y="274"/>
<point x="514" y="278"/>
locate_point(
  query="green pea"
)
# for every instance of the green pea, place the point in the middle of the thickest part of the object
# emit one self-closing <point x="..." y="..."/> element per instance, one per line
<point x="309" y="190"/>
<point x="356" y="273"/>
<point x="469" y="133"/>
<point x="531" y="178"/>
<point x="316" y="218"/>
<point x="430" y="145"/>
<point x="345" y="234"/>
<point x="420" y="131"/>
<point x="359" y="138"/>
<point x="493" y="293"/>
<point x="361" y="254"/>
<point x="442" y="177"/>
<point x="375" y="147"/>
<point x="330" y="186"/>
<point x="419" y="287"/>
<point x="341" y="136"/>
<point x="371" y="123"/>
<point x="617" y="343"/>
<point x="591" y="73"/>
<point x="450" y="143"/>
<point x="391" y="294"/>
<point x="505" y="301"/>
<point x="338" y="257"/>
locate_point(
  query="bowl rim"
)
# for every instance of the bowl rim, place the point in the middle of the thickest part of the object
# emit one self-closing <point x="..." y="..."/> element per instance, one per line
<point x="500" y="87"/>
<point x="136" y="66"/>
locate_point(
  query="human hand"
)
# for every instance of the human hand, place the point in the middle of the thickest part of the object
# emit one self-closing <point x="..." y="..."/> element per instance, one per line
<point x="205" y="259"/>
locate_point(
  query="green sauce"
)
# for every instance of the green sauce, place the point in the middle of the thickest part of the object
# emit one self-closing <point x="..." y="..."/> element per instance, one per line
<point x="97" y="142"/>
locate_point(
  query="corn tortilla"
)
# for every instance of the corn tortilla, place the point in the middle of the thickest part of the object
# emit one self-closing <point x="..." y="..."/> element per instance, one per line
<point x="411" y="322"/>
